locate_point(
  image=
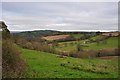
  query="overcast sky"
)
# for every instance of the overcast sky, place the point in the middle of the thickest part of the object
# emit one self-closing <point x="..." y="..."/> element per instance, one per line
<point x="77" y="16"/>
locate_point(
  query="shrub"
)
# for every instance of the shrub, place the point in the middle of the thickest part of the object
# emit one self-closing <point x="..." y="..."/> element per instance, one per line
<point x="34" y="45"/>
<point x="73" y="55"/>
<point x="99" y="53"/>
<point x="13" y="65"/>
<point x="79" y="47"/>
<point x="109" y="52"/>
<point x="87" y="54"/>
<point x="28" y="45"/>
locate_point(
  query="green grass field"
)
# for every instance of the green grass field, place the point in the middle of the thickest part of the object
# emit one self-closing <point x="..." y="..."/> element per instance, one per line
<point x="46" y="65"/>
<point x="97" y="37"/>
<point x="76" y="35"/>
<point x="110" y="43"/>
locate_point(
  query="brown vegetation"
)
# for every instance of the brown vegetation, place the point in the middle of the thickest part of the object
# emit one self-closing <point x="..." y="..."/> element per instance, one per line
<point x="85" y="54"/>
<point x="92" y="53"/>
<point x="35" y="45"/>
<point x="110" y="57"/>
<point x="109" y="52"/>
<point x="12" y="65"/>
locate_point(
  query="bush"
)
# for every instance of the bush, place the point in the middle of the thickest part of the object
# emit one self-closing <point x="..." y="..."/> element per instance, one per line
<point x="28" y="45"/>
<point x="79" y="47"/>
<point x="87" y="54"/>
<point x="34" y="45"/>
<point x="13" y="65"/>
<point x="93" y="53"/>
<point x="109" y="52"/>
<point x="73" y="55"/>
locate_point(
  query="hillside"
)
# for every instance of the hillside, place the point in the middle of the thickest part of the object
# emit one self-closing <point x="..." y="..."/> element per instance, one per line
<point x="46" y="65"/>
<point x="68" y="55"/>
<point x="111" y="42"/>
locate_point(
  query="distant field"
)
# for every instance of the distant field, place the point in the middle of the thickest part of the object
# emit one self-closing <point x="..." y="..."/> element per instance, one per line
<point x="71" y="45"/>
<point x="76" y="35"/>
<point x="56" y="37"/>
<point x="97" y="37"/>
<point x="46" y="65"/>
<point x="110" y="43"/>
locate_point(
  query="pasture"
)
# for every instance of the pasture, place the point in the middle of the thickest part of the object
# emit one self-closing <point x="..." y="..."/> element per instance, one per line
<point x="111" y="42"/>
<point x="46" y="65"/>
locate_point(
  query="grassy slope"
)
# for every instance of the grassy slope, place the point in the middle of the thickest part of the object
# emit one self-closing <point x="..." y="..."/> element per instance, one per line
<point x="97" y="37"/>
<point x="46" y="65"/>
<point x="111" y="43"/>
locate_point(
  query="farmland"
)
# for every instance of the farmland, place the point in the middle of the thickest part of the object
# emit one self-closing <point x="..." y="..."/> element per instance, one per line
<point x="110" y="43"/>
<point x="70" y="55"/>
<point x="47" y="65"/>
<point x="56" y="37"/>
<point x="71" y="45"/>
<point x="59" y="40"/>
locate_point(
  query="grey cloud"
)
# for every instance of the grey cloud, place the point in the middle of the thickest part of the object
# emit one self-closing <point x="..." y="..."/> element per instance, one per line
<point x="0" y="11"/>
<point x="50" y="15"/>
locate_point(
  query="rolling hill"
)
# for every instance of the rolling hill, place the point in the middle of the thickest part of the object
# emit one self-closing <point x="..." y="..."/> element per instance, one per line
<point x="46" y="65"/>
<point x="37" y="33"/>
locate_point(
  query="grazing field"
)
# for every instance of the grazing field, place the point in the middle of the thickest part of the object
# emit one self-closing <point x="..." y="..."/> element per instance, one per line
<point x="56" y="37"/>
<point x="111" y="42"/>
<point x="97" y="37"/>
<point x="46" y="65"/>
<point x="76" y="35"/>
